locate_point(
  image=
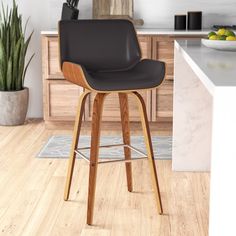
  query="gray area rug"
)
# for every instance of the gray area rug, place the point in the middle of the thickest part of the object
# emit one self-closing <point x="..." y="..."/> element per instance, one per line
<point x="58" y="146"/>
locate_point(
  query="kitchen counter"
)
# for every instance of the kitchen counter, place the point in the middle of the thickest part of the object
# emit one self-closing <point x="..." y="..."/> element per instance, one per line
<point x="152" y="31"/>
<point x="214" y="68"/>
<point x="204" y="125"/>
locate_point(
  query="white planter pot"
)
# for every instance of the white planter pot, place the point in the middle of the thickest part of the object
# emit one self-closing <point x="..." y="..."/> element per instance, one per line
<point x="13" y="107"/>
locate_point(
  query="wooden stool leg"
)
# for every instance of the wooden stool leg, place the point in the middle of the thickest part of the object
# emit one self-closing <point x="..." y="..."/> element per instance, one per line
<point x="74" y="145"/>
<point x="95" y="139"/>
<point x="124" y="112"/>
<point x="148" y="142"/>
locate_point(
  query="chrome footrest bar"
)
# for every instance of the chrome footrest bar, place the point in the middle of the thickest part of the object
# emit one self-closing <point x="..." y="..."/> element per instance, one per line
<point x="123" y="160"/>
<point x="142" y="155"/>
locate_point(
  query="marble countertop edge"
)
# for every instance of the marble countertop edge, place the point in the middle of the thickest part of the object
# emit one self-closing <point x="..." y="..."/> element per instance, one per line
<point x="150" y="31"/>
<point x="216" y="69"/>
<point x="202" y="76"/>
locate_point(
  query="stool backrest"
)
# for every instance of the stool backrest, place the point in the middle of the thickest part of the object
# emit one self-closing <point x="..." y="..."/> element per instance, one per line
<point x="99" y="45"/>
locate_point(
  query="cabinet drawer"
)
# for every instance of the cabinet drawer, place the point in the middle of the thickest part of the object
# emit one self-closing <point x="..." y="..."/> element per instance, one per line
<point x="111" y="110"/>
<point x="62" y="100"/>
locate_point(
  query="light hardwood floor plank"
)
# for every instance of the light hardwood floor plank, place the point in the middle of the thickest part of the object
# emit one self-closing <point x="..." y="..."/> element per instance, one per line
<point x="23" y="189"/>
<point x="31" y="199"/>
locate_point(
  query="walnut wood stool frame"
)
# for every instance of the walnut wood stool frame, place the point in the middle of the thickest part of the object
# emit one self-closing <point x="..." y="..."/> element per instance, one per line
<point x="95" y="139"/>
<point x="104" y="56"/>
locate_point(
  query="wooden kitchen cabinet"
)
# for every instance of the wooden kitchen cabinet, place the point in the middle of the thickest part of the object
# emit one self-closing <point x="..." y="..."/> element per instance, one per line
<point x="61" y="97"/>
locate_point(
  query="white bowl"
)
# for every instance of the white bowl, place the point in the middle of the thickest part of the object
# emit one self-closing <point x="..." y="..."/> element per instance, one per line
<point x="220" y="44"/>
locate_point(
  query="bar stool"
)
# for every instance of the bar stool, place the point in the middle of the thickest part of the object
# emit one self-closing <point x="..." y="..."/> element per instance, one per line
<point x="103" y="56"/>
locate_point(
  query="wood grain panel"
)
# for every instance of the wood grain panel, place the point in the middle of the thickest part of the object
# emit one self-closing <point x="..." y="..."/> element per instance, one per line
<point x="94" y="153"/>
<point x="112" y="7"/>
<point x="149" y="150"/>
<point x="163" y="50"/>
<point x="125" y="123"/>
<point x="121" y="7"/>
<point x="62" y="100"/>
<point x="111" y="111"/>
<point x="145" y="43"/>
<point x="162" y="102"/>
<point x="53" y="70"/>
<point x="101" y="7"/>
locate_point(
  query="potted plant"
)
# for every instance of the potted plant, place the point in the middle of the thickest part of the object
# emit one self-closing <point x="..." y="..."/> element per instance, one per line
<point x="13" y="48"/>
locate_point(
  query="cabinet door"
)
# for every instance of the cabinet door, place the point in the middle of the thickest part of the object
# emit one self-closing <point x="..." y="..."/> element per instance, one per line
<point x="111" y="105"/>
<point x="163" y="50"/>
<point x="162" y="97"/>
<point x="162" y="102"/>
<point x="61" y="100"/>
<point x="51" y="65"/>
<point x="145" y="43"/>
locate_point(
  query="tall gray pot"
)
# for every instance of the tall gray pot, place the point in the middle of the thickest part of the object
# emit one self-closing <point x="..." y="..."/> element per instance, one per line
<point x="13" y="107"/>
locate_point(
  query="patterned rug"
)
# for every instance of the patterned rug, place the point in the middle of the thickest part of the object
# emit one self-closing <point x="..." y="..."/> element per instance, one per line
<point x="58" y="146"/>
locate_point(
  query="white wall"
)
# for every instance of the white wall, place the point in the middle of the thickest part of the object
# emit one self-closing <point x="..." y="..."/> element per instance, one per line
<point x="44" y="15"/>
<point x="161" y="13"/>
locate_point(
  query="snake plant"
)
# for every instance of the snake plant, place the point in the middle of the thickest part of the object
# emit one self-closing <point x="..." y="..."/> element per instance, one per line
<point x="13" y="49"/>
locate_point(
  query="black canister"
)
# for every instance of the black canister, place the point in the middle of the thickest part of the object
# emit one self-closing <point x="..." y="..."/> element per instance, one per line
<point x="194" y="20"/>
<point x="180" y="22"/>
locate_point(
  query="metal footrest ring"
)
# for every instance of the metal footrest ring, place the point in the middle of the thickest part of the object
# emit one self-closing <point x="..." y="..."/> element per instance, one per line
<point x="142" y="155"/>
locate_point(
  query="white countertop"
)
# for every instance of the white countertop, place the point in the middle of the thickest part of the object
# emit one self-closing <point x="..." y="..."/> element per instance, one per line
<point x="214" y="68"/>
<point x="204" y="125"/>
<point x="151" y="31"/>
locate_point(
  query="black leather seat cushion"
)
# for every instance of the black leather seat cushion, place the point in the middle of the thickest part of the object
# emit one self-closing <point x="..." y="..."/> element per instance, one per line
<point x="109" y="54"/>
<point x="145" y="74"/>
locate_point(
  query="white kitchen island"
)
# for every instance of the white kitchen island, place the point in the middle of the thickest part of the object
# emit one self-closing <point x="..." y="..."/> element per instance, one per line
<point x="204" y="125"/>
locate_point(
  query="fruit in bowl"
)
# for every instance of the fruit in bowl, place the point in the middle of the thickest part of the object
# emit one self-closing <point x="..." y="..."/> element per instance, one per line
<point x="231" y="38"/>
<point x="223" y="39"/>
<point x="222" y="34"/>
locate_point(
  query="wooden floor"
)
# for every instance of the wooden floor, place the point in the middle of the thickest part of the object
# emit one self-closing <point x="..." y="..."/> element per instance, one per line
<point x="31" y="198"/>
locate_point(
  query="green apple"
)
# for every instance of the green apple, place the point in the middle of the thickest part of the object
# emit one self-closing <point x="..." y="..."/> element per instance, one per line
<point x="211" y="34"/>
<point x="229" y="33"/>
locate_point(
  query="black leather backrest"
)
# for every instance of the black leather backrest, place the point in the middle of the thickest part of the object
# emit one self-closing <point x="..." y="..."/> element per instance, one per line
<point x="99" y="45"/>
